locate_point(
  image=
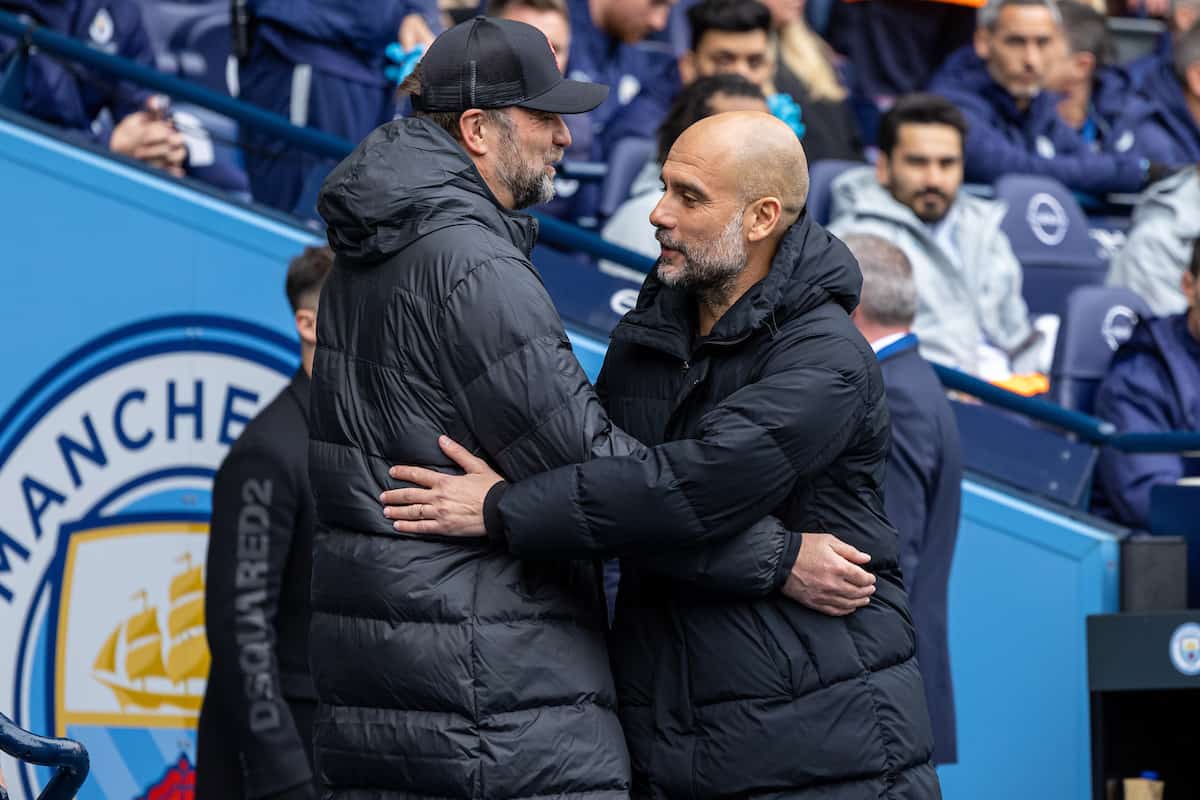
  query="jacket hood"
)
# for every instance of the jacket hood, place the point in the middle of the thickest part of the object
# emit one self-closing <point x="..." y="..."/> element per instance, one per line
<point x="406" y="180"/>
<point x="810" y="268"/>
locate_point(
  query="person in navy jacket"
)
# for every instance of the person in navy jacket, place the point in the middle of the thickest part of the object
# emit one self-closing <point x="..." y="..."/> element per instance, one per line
<point x="73" y="97"/>
<point x="1166" y="123"/>
<point x="1013" y="123"/>
<point x="1152" y="386"/>
<point x="320" y="63"/>
<point x="924" y="475"/>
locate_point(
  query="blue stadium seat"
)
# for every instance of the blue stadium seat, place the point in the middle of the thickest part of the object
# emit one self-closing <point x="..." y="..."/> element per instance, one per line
<point x="821" y="175"/>
<point x="191" y="39"/>
<point x="1049" y="235"/>
<point x="626" y="160"/>
<point x="216" y="157"/>
<point x="1097" y="320"/>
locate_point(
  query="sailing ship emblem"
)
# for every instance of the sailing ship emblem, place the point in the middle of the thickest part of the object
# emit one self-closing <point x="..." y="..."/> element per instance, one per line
<point x="187" y="651"/>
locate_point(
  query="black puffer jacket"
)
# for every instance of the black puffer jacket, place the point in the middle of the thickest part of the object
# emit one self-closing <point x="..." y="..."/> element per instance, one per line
<point x="447" y="670"/>
<point x="781" y="407"/>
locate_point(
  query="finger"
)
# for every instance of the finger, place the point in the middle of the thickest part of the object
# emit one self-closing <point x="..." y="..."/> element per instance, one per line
<point x="461" y="456"/>
<point x="422" y="477"/>
<point x="406" y="497"/>
<point x="848" y="552"/>
<point x="856" y="575"/>
<point x="420" y="526"/>
<point x="412" y="513"/>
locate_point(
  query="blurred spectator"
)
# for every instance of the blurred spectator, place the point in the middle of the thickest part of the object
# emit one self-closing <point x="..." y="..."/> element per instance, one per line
<point x="1167" y="126"/>
<point x="923" y="489"/>
<point x="571" y="199"/>
<point x="804" y="71"/>
<point x="896" y="45"/>
<point x="1014" y="124"/>
<point x="1152" y="386"/>
<point x="1096" y="98"/>
<point x="1182" y="16"/>
<point x="74" y="97"/>
<point x="320" y="63"/>
<point x="736" y="36"/>
<point x="1156" y="254"/>
<point x="255" y="735"/>
<point x="630" y="225"/>
<point x="605" y="34"/>
<point x="968" y="280"/>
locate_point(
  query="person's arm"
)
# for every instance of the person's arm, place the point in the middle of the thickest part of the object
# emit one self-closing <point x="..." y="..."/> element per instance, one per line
<point x="254" y="508"/>
<point x="988" y="156"/>
<point x="748" y="455"/>
<point x="1134" y="404"/>
<point x="1006" y="318"/>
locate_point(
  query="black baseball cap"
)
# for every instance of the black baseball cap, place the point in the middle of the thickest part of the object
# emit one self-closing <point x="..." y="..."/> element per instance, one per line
<point x="487" y="62"/>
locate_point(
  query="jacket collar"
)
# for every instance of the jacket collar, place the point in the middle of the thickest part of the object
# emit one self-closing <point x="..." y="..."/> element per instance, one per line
<point x="809" y="269"/>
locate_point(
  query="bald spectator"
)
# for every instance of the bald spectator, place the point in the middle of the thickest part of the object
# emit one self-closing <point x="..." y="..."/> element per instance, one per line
<point x="924" y="478"/>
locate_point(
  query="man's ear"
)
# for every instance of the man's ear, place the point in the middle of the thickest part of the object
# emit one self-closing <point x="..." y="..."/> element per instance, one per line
<point x="471" y="129"/>
<point x="306" y="326"/>
<point x="687" y="67"/>
<point x="1192" y="76"/>
<point x="983" y="43"/>
<point x="766" y="215"/>
<point x="883" y="169"/>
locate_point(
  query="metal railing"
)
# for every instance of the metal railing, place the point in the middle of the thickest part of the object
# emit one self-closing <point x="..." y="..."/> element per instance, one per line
<point x="553" y="231"/>
<point x="69" y="758"/>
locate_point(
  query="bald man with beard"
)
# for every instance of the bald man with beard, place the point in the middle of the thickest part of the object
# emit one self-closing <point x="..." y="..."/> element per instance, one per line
<point x="741" y="369"/>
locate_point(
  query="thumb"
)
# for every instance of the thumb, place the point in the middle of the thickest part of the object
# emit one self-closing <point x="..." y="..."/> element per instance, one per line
<point x="461" y="456"/>
<point x="848" y="552"/>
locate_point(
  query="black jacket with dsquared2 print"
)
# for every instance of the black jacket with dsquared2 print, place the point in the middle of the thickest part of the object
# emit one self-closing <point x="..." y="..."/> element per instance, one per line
<point x="255" y="737"/>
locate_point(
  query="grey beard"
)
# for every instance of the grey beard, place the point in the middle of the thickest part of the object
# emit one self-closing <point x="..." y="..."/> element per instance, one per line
<point x="710" y="269"/>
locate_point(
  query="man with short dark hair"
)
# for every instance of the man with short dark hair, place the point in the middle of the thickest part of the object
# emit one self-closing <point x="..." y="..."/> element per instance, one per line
<point x="1013" y="123"/>
<point x="970" y="312"/>
<point x="1095" y="96"/>
<point x="924" y="478"/>
<point x="735" y="36"/>
<point x="1152" y="386"/>
<point x="256" y="726"/>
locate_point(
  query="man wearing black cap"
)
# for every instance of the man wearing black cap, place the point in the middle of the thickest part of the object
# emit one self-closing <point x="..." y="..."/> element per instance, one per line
<point x="443" y="670"/>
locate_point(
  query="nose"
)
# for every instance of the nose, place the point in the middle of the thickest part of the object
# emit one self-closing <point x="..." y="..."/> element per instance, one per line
<point x="562" y="134"/>
<point x="659" y="217"/>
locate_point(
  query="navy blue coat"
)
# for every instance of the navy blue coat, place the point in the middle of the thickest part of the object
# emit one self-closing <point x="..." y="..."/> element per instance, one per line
<point x="73" y="100"/>
<point x="1162" y="123"/>
<point x="643" y="81"/>
<point x="1002" y="139"/>
<point x="1153" y="385"/>
<point x="922" y="496"/>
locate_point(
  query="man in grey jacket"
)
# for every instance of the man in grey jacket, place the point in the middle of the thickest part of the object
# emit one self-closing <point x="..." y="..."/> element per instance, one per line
<point x="970" y="310"/>
<point x="1165" y="224"/>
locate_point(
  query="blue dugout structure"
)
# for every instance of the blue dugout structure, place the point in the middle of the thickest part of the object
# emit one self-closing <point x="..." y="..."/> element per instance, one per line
<point x="145" y="322"/>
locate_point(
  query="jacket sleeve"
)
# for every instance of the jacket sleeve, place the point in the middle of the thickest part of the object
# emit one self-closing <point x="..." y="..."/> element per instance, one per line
<point x="752" y="564"/>
<point x="1130" y="398"/>
<point x="525" y="398"/>
<point x="988" y="155"/>
<point x="1158" y="247"/>
<point x="748" y="455"/>
<point x="254" y="508"/>
<point x="1005" y="319"/>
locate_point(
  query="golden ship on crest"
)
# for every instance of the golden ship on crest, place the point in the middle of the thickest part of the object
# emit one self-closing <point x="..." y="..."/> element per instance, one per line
<point x="141" y="639"/>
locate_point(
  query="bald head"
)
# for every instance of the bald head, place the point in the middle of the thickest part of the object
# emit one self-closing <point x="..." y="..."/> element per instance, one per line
<point x="754" y="152"/>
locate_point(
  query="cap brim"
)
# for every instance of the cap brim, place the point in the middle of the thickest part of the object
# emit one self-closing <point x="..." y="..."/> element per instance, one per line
<point x="568" y="97"/>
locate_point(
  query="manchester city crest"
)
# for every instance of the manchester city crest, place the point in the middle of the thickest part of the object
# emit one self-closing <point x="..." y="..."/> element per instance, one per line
<point x="106" y="465"/>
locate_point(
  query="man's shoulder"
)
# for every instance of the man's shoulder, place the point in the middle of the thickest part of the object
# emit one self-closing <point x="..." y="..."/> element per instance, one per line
<point x="276" y="433"/>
